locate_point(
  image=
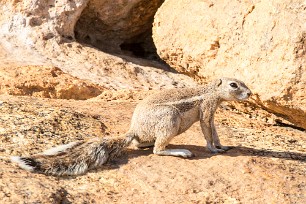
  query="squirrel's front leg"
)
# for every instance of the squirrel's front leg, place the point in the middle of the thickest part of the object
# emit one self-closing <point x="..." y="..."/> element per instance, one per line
<point x="206" y="121"/>
<point x="215" y="137"/>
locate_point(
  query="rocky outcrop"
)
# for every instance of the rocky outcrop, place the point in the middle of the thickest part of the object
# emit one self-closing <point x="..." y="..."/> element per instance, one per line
<point x="43" y="32"/>
<point x="260" y="42"/>
<point x="46" y="82"/>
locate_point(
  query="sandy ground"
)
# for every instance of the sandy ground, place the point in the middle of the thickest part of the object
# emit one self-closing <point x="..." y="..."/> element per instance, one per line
<point x="266" y="165"/>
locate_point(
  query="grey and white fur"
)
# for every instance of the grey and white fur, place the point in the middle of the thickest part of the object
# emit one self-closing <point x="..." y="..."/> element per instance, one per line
<point x="155" y="121"/>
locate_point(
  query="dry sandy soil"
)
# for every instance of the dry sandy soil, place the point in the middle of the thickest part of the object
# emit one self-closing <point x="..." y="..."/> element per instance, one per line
<point x="266" y="165"/>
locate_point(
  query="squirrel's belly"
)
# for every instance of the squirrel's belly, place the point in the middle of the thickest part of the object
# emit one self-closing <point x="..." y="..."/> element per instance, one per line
<point x="187" y="119"/>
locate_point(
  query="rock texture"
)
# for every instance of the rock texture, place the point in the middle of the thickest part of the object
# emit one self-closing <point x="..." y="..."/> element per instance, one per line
<point x="42" y="32"/>
<point x="46" y="82"/>
<point x="261" y="42"/>
<point x="110" y="25"/>
<point x="38" y="120"/>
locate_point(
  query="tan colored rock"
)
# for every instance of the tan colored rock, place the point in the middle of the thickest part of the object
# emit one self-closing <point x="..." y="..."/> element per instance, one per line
<point x="46" y="82"/>
<point x="42" y="32"/>
<point x="260" y="42"/>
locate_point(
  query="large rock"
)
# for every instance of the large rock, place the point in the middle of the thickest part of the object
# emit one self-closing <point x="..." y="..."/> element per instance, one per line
<point x="43" y="32"/>
<point x="47" y="19"/>
<point x="260" y="42"/>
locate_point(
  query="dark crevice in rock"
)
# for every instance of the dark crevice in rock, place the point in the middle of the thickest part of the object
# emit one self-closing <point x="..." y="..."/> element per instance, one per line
<point x="141" y="46"/>
<point x="126" y="31"/>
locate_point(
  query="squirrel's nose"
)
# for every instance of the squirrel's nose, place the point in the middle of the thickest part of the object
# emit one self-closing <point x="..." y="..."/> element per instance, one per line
<point x="249" y="93"/>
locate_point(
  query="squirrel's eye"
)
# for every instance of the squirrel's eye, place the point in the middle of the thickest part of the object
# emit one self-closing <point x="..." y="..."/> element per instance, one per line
<point x="234" y="85"/>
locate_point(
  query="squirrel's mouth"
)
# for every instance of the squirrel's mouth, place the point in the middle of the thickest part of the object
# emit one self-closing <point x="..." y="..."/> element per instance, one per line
<point x="244" y="98"/>
<point x="245" y="95"/>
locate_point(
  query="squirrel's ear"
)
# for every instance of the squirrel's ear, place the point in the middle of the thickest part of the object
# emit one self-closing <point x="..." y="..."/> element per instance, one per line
<point x="219" y="82"/>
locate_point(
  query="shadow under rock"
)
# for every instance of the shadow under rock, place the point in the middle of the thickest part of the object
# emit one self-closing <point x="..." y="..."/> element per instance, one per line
<point x="159" y="64"/>
<point x="156" y="62"/>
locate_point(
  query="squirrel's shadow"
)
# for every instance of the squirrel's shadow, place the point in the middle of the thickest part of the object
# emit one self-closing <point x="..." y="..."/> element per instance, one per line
<point x="200" y="153"/>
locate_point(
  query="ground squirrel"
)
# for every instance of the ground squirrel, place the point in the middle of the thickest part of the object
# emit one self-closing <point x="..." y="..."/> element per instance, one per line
<point x="155" y="121"/>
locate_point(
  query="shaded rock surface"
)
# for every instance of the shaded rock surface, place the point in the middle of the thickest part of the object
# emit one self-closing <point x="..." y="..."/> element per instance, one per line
<point x="259" y="42"/>
<point x="113" y="26"/>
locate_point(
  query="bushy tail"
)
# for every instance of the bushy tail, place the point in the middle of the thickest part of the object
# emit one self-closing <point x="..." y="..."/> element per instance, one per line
<point x="74" y="158"/>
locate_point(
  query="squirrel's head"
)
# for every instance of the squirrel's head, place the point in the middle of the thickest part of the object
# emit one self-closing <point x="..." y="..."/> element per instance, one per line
<point x="232" y="89"/>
